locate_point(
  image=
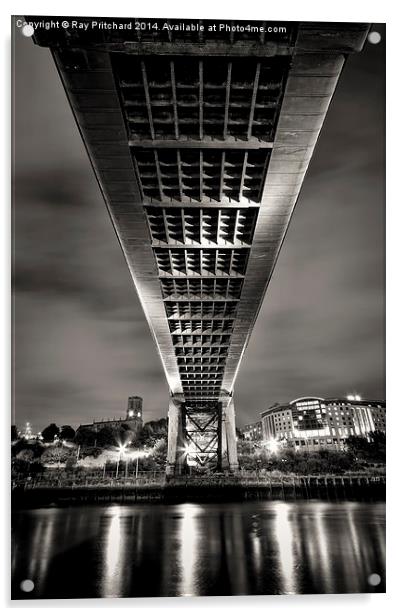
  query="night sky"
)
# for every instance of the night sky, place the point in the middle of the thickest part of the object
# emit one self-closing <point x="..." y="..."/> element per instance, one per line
<point x="82" y="343"/>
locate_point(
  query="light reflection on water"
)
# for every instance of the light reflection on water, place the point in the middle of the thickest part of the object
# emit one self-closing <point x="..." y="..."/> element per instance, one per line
<point x="113" y="569"/>
<point x="199" y="549"/>
<point x="188" y="549"/>
<point x="283" y="533"/>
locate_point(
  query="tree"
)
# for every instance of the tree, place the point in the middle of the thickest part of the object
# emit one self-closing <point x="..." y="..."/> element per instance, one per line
<point x="146" y="436"/>
<point x="377" y="443"/>
<point x="152" y="431"/>
<point x="14" y="433"/>
<point x="67" y="433"/>
<point x="370" y="449"/>
<point x="358" y="446"/>
<point x="50" y="432"/>
<point x="85" y="437"/>
<point x="239" y="434"/>
<point x="108" y="437"/>
<point x="127" y="435"/>
<point x="160" y="453"/>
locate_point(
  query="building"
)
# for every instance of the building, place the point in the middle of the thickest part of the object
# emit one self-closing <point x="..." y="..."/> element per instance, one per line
<point x="313" y="423"/>
<point x="134" y="408"/>
<point x="253" y="431"/>
<point x="27" y="433"/>
<point x="133" y="418"/>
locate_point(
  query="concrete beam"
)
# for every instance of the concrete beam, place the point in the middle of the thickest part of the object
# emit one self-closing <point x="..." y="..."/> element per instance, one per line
<point x="206" y="143"/>
<point x="293" y="147"/>
<point x="124" y="203"/>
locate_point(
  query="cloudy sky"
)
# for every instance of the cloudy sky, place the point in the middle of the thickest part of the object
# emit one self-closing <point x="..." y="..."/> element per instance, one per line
<point x="82" y="345"/>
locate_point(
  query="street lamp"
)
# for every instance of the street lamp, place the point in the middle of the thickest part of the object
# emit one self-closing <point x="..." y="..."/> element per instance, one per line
<point x="136" y="455"/>
<point x="121" y="450"/>
<point x="272" y="445"/>
<point x="136" y="465"/>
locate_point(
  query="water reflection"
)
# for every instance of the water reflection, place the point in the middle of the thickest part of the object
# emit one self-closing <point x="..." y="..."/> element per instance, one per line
<point x="114" y="570"/>
<point x="285" y="538"/>
<point x="190" y="549"/>
<point x="188" y="544"/>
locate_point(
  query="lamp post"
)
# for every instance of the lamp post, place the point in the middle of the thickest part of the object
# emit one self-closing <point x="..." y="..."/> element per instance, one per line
<point x="122" y="449"/>
<point x="136" y="468"/>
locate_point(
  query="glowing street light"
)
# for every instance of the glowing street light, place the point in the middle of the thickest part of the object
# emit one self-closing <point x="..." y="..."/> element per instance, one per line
<point x="272" y="445"/>
<point x="189" y="451"/>
<point x="122" y="450"/>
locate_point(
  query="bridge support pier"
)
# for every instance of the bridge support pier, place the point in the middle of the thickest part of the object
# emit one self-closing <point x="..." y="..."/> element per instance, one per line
<point x="226" y="444"/>
<point x="229" y="441"/>
<point x="174" y="428"/>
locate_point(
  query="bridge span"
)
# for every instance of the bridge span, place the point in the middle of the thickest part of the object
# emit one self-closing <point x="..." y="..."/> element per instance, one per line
<point x="200" y="142"/>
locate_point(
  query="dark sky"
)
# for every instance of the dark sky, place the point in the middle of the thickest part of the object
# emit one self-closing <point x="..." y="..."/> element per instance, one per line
<point x="82" y="343"/>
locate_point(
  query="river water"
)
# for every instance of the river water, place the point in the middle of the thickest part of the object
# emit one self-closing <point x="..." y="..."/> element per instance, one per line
<point x="139" y="550"/>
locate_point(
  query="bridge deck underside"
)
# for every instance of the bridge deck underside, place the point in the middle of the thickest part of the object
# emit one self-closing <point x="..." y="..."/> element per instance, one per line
<point x="201" y="186"/>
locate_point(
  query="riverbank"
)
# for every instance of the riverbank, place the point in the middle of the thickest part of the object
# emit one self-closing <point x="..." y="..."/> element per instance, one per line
<point x="188" y="489"/>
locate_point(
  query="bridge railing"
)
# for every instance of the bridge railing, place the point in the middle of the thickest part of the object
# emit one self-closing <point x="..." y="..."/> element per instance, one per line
<point x="62" y="479"/>
<point x="158" y="479"/>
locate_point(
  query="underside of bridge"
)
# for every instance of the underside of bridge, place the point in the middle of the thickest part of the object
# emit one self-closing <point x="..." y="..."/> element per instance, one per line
<point x="200" y="141"/>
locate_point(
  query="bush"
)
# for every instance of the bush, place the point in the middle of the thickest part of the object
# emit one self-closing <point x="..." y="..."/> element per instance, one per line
<point x="71" y="462"/>
<point x="93" y="452"/>
<point x="56" y="455"/>
<point x="23" y="467"/>
<point x="26" y="454"/>
<point x="37" y="448"/>
<point x="324" y="461"/>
